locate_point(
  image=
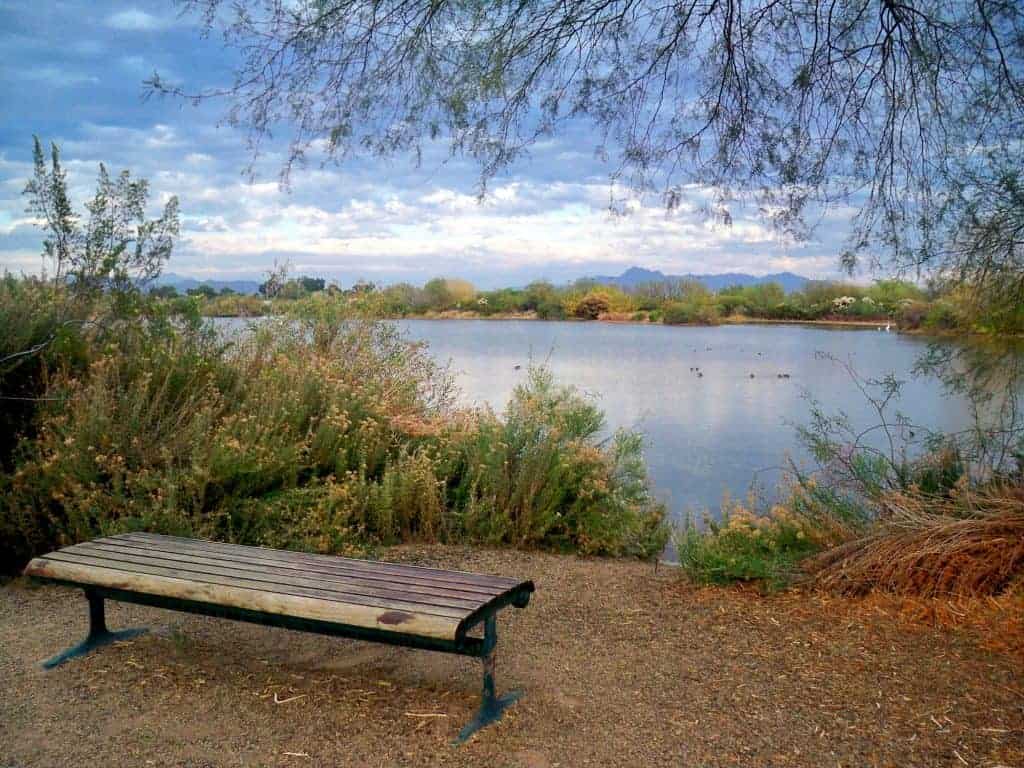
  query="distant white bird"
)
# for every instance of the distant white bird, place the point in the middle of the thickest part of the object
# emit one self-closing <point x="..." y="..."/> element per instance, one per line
<point x="887" y="327"/>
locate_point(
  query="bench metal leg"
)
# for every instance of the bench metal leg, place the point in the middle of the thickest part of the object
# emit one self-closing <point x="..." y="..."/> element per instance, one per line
<point x="98" y="636"/>
<point x="491" y="706"/>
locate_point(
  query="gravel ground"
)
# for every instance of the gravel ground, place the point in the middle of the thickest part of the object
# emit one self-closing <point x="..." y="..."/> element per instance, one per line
<point x="622" y="666"/>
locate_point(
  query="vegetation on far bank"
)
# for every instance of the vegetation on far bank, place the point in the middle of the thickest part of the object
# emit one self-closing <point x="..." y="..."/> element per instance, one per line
<point x="901" y="304"/>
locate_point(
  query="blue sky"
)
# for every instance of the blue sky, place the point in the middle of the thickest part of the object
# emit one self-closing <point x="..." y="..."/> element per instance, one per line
<point x="73" y="74"/>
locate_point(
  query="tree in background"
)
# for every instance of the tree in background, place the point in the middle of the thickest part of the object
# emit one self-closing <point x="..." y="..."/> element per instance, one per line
<point x="204" y="290"/>
<point x="96" y="263"/>
<point x="592" y="306"/>
<point x="311" y="284"/>
<point x="114" y="248"/>
<point x="461" y="292"/>
<point x="443" y="293"/>
<point x="163" y="292"/>
<point x="435" y="293"/>
<point x="543" y="298"/>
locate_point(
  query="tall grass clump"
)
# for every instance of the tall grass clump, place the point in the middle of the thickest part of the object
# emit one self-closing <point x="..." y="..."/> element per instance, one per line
<point x="967" y="545"/>
<point x="324" y="434"/>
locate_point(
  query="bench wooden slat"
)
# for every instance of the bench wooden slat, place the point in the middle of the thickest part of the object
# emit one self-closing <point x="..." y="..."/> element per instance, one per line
<point x="275" y="576"/>
<point x="331" y="571"/>
<point x="414" y="572"/>
<point x="390" y="598"/>
<point x="298" y="606"/>
<point x="226" y="577"/>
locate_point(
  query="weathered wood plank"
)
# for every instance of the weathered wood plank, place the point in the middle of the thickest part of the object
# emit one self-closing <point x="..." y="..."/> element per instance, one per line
<point x="326" y="570"/>
<point x="296" y="605"/>
<point x="412" y="571"/>
<point x="313" y="560"/>
<point x="233" y="580"/>
<point x="341" y="575"/>
<point x="274" y="576"/>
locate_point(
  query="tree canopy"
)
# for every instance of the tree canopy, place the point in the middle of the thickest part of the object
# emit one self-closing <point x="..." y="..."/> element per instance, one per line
<point x="907" y="111"/>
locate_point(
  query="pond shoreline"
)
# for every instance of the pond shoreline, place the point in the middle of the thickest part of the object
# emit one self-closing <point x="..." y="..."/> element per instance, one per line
<point x="611" y="320"/>
<point x="936" y="333"/>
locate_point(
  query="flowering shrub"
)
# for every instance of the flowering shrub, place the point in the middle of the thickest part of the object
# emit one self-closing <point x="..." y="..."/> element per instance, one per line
<point x="745" y="545"/>
<point x="318" y="436"/>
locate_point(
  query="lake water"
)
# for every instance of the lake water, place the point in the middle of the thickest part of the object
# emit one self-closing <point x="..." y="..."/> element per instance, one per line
<point x="706" y="435"/>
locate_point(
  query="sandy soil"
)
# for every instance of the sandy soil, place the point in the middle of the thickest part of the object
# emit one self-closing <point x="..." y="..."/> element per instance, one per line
<point x="622" y="666"/>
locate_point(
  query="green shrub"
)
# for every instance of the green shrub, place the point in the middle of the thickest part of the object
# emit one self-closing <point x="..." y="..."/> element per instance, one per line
<point x="319" y="433"/>
<point x="744" y="547"/>
<point x="690" y="313"/>
<point x="592" y="306"/>
<point x="942" y="315"/>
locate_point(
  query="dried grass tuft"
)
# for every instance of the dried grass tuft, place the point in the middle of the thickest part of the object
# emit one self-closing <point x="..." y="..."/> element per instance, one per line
<point x="968" y="546"/>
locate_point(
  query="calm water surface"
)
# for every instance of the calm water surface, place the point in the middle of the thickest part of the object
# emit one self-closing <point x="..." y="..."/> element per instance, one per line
<point x="709" y="435"/>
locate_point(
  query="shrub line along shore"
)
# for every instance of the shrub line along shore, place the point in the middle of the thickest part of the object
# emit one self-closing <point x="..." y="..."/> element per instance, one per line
<point x="890" y="303"/>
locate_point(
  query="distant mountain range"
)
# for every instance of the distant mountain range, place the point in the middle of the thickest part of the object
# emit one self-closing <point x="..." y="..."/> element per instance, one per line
<point x="182" y="283"/>
<point x="635" y="276"/>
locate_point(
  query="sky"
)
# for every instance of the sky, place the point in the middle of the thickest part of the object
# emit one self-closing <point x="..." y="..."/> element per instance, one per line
<point x="73" y="74"/>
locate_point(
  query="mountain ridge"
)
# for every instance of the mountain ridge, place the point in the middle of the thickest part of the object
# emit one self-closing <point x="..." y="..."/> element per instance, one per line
<point x="636" y="276"/>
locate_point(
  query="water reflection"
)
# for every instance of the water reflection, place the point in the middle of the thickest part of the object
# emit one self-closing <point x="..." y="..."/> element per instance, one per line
<point x="717" y="404"/>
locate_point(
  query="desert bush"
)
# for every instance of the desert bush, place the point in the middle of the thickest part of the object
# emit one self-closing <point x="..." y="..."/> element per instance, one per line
<point x="744" y="545"/>
<point x="322" y="432"/>
<point x="912" y="511"/>
<point x="690" y="312"/>
<point x="591" y="306"/>
<point x="43" y="332"/>
<point x="942" y="315"/>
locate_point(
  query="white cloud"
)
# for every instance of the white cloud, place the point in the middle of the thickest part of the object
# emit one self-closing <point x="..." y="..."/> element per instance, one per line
<point x="135" y="20"/>
<point x="57" y="77"/>
<point x="363" y="220"/>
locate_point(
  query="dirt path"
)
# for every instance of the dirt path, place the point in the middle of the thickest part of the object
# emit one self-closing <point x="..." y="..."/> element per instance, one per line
<point x="621" y="667"/>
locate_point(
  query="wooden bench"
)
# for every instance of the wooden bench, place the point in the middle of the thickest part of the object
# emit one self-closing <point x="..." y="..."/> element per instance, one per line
<point x="405" y="605"/>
